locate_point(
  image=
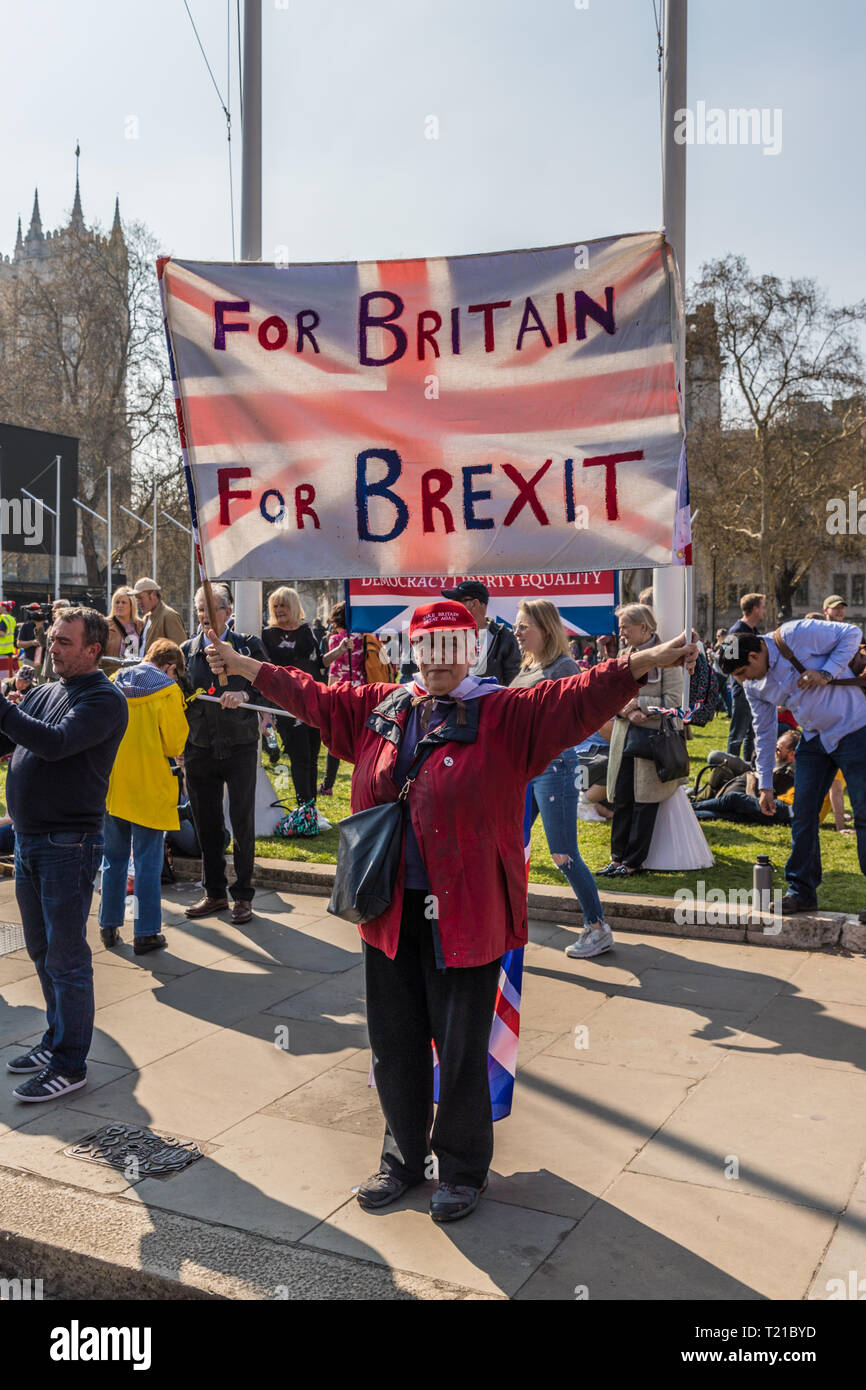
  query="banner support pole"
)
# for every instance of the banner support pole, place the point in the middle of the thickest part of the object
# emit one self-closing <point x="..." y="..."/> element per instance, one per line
<point x="347" y="604"/>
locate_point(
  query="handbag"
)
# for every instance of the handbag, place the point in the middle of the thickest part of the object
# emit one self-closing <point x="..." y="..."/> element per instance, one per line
<point x="669" y="751"/>
<point x="638" y="741"/>
<point x="368" y="855"/>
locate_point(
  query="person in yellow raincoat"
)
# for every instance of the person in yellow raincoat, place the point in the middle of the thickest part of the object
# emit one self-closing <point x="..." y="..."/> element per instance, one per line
<point x="142" y="794"/>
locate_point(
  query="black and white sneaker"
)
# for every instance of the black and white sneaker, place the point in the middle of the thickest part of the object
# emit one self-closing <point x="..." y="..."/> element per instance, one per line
<point x="48" y="1085"/>
<point x="37" y="1059"/>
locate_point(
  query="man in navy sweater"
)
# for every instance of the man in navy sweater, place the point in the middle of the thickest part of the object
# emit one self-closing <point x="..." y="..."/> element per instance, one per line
<point x="65" y="736"/>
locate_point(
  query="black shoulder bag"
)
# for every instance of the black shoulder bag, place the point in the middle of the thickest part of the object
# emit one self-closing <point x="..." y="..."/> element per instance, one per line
<point x="670" y="751"/>
<point x="665" y="747"/>
<point x="368" y="855"/>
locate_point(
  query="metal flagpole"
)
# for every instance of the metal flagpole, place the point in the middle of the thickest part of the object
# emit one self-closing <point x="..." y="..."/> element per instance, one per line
<point x="57" y="535"/>
<point x="347" y="604"/>
<point x="142" y="522"/>
<point x="188" y="531"/>
<point x="45" y="507"/>
<point x="672" y="588"/>
<point x="108" y="543"/>
<point x="1" y="524"/>
<point x="248" y="592"/>
<point x="153" y="571"/>
<point x="673" y="154"/>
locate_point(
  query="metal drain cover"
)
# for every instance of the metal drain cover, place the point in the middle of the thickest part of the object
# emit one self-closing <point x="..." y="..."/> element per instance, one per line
<point x="135" y="1151"/>
<point x="11" y="937"/>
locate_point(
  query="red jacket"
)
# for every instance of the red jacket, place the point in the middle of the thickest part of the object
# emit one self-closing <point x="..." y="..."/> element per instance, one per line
<point x="468" y="799"/>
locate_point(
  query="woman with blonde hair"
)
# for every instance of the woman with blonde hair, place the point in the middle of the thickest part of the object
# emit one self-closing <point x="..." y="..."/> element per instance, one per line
<point x="556" y="791"/>
<point x="632" y="782"/>
<point x="288" y="640"/>
<point x="124" y="626"/>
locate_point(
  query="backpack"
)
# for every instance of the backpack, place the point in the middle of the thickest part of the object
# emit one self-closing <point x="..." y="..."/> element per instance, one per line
<point x="300" y="822"/>
<point x="704" y="691"/>
<point x="376" y="668"/>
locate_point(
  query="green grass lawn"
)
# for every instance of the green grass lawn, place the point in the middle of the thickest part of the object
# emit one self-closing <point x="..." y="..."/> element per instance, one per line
<point x="734" y="846"/>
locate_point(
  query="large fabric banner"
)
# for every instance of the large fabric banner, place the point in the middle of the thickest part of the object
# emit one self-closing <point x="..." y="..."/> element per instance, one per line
<point x="586" y="600"/>
<point x="496" y="413"/>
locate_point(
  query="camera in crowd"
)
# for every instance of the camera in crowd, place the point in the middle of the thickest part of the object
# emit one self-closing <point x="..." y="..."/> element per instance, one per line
<point x="35" y="612"/>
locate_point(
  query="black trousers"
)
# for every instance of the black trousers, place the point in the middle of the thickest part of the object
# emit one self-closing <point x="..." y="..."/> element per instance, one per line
<point x="409" y="1002"/>
<point x="302" y="749"/>
<point x="741" y="735"/>
<point x="206" y="777"/>
<point x="332" y="765"/>
<point x="633" y="822"/>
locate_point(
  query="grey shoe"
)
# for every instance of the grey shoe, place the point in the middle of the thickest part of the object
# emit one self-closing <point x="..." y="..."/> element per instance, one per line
<point x="382" y="1189"/>
<point x="591" y="942"/>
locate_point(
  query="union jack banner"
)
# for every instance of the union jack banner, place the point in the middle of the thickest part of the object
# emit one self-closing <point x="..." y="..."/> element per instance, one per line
<point x="477" y="414"/>
<point x="586" y="600"/>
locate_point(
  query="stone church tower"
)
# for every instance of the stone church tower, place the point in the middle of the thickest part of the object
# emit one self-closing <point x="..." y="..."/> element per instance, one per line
<point x="39" y="282"/>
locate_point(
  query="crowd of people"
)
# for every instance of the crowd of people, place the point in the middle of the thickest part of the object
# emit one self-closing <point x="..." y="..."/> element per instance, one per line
<point x="139" y="721"/>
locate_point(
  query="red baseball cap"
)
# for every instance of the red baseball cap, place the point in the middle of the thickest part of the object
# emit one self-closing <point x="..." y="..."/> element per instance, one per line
<point x="441" y="616"/>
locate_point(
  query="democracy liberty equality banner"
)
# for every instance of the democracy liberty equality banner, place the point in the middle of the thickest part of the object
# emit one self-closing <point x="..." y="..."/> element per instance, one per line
<point x="586" y="600"/>
<point x="487" y="413"/>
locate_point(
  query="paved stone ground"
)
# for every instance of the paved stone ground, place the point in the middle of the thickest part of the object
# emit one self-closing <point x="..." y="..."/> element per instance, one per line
<point x="688" y="1118"/>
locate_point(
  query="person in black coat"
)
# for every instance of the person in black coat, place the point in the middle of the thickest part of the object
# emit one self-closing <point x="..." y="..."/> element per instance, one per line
<point x="289" y="641"/>
<point x="222" y="751"/>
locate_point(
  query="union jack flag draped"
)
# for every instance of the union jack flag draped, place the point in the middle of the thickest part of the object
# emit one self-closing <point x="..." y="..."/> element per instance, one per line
<point x="488" y="414"/>
<point x="505" y="1030"/>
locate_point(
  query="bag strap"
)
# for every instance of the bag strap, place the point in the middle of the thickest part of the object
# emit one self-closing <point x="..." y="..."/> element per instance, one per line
<point x="413" y="769"/>
<point x="789" y="655"/>
<point x="786" y="651"/>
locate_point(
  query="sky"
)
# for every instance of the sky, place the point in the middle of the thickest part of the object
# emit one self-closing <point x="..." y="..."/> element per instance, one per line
<point x="546" y="116"/>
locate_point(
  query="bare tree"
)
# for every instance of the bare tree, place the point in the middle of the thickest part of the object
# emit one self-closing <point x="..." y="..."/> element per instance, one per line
<point x="793" y="420"/>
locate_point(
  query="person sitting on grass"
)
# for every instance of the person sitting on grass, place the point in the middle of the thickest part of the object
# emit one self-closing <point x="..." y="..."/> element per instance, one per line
<point x="738" y="799"/>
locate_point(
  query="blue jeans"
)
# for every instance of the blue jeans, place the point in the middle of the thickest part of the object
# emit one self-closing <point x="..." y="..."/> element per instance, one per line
<point x="556" y="794"/>
<point x="147" y="854"/>
<point x="7" y="839"/>
<point x="739" y="806"/>
<point x="725" y="693"/>
<point x="741" y="735"/>
<point x="814" y="771"/>
<point x="54" y="876"/>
